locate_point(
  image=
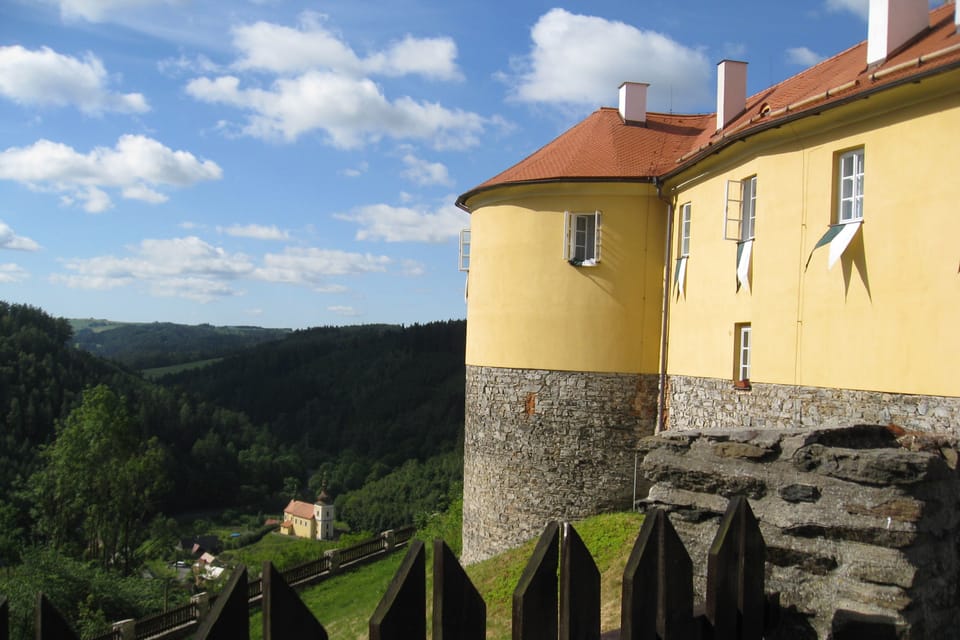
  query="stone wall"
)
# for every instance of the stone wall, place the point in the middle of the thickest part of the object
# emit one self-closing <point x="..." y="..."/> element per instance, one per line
<point x="696" y="403"/>
<point x="859" y="519"/>
<point x="546" y="445"/>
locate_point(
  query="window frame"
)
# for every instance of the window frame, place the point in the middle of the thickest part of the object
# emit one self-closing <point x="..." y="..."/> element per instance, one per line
<point x="571" y="233"/>
<point x="855" y="179"/>
<point x="743" y="351"/>
<point x="464" y="254"/>
<point x="748" y="208"/>
<point x="686" y="215"/>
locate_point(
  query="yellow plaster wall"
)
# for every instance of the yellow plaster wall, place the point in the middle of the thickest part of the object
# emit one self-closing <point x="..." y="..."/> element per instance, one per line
<point x="886" y="317"/>
<point x="528" y="308"/>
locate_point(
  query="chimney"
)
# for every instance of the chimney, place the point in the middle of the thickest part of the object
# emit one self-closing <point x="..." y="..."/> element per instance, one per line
<point x="731" y="90"/>
<point x="633" y="102"/>
<point x="892" y="24"/>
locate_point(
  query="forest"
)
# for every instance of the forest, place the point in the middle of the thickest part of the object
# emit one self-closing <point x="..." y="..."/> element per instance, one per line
<point x="96" y="461"/>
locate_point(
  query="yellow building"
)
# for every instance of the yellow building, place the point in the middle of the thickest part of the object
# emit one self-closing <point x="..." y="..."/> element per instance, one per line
<point x="312" y="521"/>
<point x="790" y="260"/>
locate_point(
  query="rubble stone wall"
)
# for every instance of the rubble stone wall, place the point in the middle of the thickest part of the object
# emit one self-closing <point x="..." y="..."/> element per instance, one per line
<point x="697" y="403"/>
<point x="547" y="445"/>
<point x="860" y="519"/>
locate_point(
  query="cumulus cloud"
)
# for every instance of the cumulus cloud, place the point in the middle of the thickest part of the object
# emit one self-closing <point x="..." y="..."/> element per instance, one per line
<point x="412" y="268"/>
<point x="351" y="111"/>
<point x="180" y="267"/>
<point x="10" y="240"/>
<point x="99" y="10"/>
<point x="579" y="60"/>
<point x="312" y="266"/>
<point x="342" y="310"/>
<point x="803" y="56"/>
<point x="136" y="165"/>
<point x="44" y="77"/>
<point x="407" y="224"/>
<point x="255" y="231"/>
<point x="857" y="7"/>
<point x="10" y="273"/>
<point x="266" y="46"/>
<point x="424" y="172"/>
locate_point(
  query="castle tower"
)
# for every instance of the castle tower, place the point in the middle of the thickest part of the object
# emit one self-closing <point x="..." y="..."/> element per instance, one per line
<point x="565" y="289"/>
<point x="324" y="515"/>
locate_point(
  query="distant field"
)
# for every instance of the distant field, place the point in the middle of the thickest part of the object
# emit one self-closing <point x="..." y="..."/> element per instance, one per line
<point x="94" y="325"/>
<point x="159" y="372"/>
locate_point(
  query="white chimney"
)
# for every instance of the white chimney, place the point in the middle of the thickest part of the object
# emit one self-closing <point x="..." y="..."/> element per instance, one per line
<point x="633" y="102"/>
<point x="892" y="24"/>
<point x="731" y="90"/>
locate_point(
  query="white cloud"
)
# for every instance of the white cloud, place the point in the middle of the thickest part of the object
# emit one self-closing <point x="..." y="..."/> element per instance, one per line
<point x="425" y="173"/>
<point x="47" y="78"/>
<point x="10" y="240"/>
<point x="98" y="10"/>
<point x="342" y="310"/>
<point x="581" y="60"/>
<point x="412" y="268"/>
<point x="265" y="46"/>
<point x="10" y="273"/>
<point x="803" y="56"/>
<point x="135" y="165"/>
<point x="179" y="267"/>
<point x="255" y="231"/>
<point x="406" y="224"/>
<point x="312" y="266"/>
<point x="355" y="172"/>
<point x="351" y="111"/>
<point x="857" y="7"/>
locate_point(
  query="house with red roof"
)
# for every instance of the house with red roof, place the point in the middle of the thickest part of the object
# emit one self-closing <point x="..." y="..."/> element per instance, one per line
<point x="312" y="521"/>
<point x="791" y="259"/>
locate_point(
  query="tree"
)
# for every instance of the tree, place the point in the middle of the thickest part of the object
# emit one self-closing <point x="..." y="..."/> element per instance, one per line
<point x="100" y="481"/>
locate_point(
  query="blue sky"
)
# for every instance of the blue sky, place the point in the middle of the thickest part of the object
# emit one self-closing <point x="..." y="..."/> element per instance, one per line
<point x="293" y="164"/>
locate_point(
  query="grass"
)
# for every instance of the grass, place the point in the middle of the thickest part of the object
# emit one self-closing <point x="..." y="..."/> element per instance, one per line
<point x="345" y="603"/>
<point x="159" y="372"/>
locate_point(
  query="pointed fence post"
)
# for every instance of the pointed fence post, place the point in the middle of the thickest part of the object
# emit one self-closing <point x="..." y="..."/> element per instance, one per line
<point x="657" y="601"/>
<point x="459" y="612"/>
<point x="284" y="614"/>
<point x="579" y="589"/>
<point x="4" y="618"/>
<point x="402" y="612"/>
<point x="735" y="604"/>
<point x="229" y="618"/>
<point x="535" y="598"/>
<point x="50" y="625"/>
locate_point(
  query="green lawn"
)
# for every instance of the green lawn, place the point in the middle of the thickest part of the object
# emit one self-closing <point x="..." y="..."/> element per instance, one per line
<point x="345" y="603"/>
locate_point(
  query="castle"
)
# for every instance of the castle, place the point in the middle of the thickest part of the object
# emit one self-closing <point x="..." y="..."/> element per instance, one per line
<point x="789" y="260"/>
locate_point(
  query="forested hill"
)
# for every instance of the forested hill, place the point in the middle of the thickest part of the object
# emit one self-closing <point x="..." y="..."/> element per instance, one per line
<point x="161" y="344"/>
<point x="385" y="393"/>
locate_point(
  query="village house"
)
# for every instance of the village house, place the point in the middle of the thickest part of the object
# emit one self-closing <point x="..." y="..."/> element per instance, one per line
<point x="788" y="260"/>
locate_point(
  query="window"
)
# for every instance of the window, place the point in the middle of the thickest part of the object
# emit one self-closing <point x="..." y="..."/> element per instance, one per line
<point x="582" y="238"/>
<point x="465" y="250"/>
<point x="850" y="186"/>
<point x="744" y="345"/>
<point x="685" y="230"/>
<point x="741" y="209"/>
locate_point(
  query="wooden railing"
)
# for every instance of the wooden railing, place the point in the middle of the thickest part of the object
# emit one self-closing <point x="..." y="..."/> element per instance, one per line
<point x="556" y="598"/>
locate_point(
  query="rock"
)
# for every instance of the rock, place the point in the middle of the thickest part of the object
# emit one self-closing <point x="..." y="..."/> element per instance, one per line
<point x="800" y="493"/>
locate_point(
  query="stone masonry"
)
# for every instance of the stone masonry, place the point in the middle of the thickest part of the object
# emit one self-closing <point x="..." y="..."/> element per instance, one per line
<point x="697" y="403"/>
<point x="858" y="521"/>
<point x="547" y="445"/>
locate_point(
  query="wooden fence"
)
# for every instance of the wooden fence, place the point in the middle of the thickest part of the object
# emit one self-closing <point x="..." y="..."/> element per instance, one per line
<point x="548" y="604"/>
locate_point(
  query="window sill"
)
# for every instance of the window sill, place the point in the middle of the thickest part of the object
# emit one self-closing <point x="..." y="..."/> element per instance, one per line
<point x="583" y="263"/>
<point x="742" y="385"/>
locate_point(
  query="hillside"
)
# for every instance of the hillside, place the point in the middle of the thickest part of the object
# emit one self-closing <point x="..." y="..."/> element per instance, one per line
<point x="163" y="344"/>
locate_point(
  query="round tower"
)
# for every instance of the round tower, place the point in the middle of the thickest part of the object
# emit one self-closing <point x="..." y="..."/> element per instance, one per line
<point x="564" y="307"/>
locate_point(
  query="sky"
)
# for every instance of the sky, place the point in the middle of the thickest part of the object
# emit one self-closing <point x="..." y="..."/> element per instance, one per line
<point x="284" y="163"/>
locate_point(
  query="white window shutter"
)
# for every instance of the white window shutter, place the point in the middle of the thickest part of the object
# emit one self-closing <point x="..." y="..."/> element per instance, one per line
<point x="733" y="210"/>
<point x="597" y="236"/>
<point x="567" y="235"/>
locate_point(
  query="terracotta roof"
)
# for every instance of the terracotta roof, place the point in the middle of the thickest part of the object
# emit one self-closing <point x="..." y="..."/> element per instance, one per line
<point x="300" y="509"/>
<point x="602" y="147"/>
